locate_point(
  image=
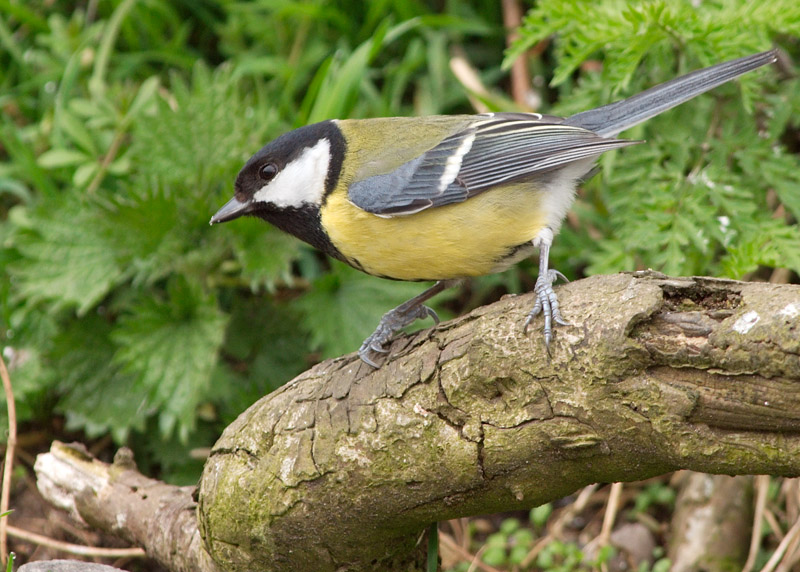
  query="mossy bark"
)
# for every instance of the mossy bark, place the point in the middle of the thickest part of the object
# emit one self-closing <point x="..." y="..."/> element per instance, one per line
<point x="344" y="467"/>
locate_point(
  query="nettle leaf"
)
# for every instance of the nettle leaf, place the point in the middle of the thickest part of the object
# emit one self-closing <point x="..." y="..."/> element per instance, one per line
<point x="170" y="346"/>
<point x="264" y="252"/>
<point x="197" y="137"/>
<point x="172" y="457"/>
<point x="265" y="346"/>
<point x="344" y="307"/>
<point x="97" y="396"/>
<point x="147" y="231"/>
<point x="65" y="259"/>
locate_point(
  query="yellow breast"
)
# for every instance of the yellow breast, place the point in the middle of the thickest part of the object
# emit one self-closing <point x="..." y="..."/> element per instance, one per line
<point x="479" y="236"/>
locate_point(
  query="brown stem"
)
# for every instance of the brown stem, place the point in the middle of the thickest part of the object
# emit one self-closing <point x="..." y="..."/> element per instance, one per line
<point x="8" y="465"/>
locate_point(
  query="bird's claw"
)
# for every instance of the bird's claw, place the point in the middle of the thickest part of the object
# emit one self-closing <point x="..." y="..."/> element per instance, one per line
<point x="392" y="322"/>
<point x="547" y="304"/>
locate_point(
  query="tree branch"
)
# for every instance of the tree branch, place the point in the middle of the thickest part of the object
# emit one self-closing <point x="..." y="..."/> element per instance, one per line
<point x="118" y="499"/>
<point x="345" y="466"/>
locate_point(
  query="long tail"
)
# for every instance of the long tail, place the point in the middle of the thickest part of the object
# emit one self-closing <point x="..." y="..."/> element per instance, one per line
<point x="615" y="117"/>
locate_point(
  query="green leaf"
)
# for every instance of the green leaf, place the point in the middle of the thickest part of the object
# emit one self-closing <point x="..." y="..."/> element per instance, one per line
<point x="170" y="345"/>
<point x="145" y="97"/>
<point x="199" y="140"/>
<point x="97" y="396"/>
<point x="65" y="260"/>
<point x="264" y="253"/>
<point x="343" y="79"/>
<point x="84" y="174"/>
<point x="77" y="132"/>
<point x="56" y="158"/>
<point x="264" y="348"/>
<point x="344" y="307"/>
<point x="147" y="231"/>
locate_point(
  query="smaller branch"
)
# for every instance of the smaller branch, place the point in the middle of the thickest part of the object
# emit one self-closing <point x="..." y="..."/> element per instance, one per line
<point x="470" y="79"/>
<point x="793" y="533"/>
<point x="584" y="497"/>
<point x="109" y="157"/>
<point x="118" y="499"/>
<point x="9" y="462"/>
<point x="610" y="516"/>
<point x="711" y="523"/>
<point x="70" y="548"/>
<point x="447" y="541"/>
<point x="761" y="486"/>
<point x="520" y="78"/>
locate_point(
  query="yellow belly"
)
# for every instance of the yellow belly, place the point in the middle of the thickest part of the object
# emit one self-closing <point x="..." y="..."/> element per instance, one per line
<point x="473" y="238"/>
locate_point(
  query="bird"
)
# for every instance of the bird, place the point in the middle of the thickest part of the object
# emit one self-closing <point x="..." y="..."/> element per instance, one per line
<point x="446" y="197"/>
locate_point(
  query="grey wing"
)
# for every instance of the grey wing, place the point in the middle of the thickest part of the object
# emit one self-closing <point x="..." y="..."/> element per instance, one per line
<point x="494" y="149"/>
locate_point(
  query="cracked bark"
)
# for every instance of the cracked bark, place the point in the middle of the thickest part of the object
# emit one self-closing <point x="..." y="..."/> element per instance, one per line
<point x="345" y="466"/>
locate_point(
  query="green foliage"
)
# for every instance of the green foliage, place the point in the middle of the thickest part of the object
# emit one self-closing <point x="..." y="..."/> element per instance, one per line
<point x="344" y="306"/>
<point x="122" y="130"/>
<point x="654" y="494"/>
<point x="540" y="514"/>
<point x="696" y="208"/>
<point x="559" y="556"/>
<point x="432" y="564"/>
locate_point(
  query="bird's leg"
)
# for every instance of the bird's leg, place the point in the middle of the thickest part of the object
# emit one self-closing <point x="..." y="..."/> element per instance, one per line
<point x="398" y="318"/>
<point x="546" y="299"/>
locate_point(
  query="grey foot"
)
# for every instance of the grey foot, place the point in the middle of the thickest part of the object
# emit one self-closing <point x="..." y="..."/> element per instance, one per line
<point x="391" y="322"/>
<point x="547" y="304"/>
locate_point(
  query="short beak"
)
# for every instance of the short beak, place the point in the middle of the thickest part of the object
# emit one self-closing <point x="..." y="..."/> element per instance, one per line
<point x="231" y="210"/>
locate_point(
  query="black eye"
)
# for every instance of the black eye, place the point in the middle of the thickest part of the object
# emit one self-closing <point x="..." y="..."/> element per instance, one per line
<point x="266" y="172"/>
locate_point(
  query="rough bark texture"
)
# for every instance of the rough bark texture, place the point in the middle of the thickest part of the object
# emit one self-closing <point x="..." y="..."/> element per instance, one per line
<point x="344" y="467"/>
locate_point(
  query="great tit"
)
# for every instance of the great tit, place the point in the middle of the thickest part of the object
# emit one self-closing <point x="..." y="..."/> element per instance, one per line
<point x="445" y="197"/>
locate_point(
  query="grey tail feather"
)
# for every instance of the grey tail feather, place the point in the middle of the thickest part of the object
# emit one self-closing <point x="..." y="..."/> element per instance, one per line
<point x="613" y="118"/>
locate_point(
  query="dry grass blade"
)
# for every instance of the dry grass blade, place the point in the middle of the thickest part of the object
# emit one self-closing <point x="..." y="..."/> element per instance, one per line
<point x="9" y="461"/>
<point x="520" y="77"/>
<point x="761" y="486"/>
<point x="449" y="543"/>
<point x="558" y="527"/>
<point x="777" y="556"/>
<point x="78" y="549"/>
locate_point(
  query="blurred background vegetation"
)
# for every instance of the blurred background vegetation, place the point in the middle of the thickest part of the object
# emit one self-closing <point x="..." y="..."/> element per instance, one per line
<point x="123" y="125"/>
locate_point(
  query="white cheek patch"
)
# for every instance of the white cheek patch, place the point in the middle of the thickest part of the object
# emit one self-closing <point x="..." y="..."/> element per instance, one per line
<point x="300" y="182"/>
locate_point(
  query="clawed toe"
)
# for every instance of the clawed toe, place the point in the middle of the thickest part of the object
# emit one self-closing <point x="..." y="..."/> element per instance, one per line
<point x="546" y="304"/>
<point x="397" y="319"/>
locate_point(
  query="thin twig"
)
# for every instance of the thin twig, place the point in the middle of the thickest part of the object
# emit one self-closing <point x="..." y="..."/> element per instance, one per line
<point x="779" y="552"/>
<point x="558" y="527"/>
<point x="761" y="486"/>
<point x="610" y="516"/>
<point x="8" y="466"/>
<point x="448" y="541"/>
<point x="791" y="558"/>
<point x="773" y="523"/>
<point x="791" y="491"/>
<point x="469" y="78"/>
<point x="574" y="509"/>
<point x="78" y="549"/>
<point x="520" y="78"/>
<point x="111" y="154"/>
